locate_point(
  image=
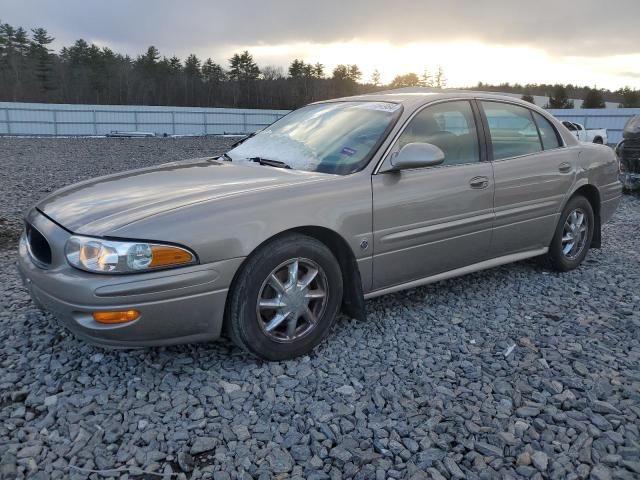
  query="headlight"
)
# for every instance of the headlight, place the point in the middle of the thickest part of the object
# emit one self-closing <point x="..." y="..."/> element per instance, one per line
<point x="109" y="256"/>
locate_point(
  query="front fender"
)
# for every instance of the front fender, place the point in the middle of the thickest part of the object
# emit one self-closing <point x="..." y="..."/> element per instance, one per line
<point x="234" y="227"/>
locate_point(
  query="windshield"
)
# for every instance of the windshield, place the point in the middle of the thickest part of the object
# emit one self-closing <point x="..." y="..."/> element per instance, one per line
<point x="336" y="138"/>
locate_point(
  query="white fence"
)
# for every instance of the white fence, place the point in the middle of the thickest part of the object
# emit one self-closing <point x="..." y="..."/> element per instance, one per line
<point x="613" y="119"/>
<point x="86" y="120"/>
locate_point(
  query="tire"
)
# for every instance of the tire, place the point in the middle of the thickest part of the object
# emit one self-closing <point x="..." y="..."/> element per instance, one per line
<point x="598" y="140"/>
<point x="256" y="316"/>
<point x="558" y="258"/>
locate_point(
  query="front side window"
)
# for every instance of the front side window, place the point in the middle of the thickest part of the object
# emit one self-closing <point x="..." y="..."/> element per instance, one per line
<point x="513" y="132"/>
<point x="449" y="126"/>
<point x="336" y="137"/>
<point x="548" y="134"/>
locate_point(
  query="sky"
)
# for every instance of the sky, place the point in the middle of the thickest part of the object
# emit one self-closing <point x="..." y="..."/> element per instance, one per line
<point x="583" y="42"/>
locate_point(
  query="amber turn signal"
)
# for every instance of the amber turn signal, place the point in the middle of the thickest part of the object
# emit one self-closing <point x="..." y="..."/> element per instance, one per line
<point x="164" y="255"/>
<point x="116" y="317"/>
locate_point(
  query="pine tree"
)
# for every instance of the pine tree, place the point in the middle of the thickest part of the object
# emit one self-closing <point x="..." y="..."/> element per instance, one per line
<point x="318" y="70"/>
<point x="243" y="68"/>
<point x="353" y="73"/>
<point x="296" y="69"/>
<point x="244" y="71"/>
<point x="426" y="80"/>
<point x="192" y="67"/>
<point x="440" y="81"/>
<point x="630" y="98"/>
<point x="192" y="76"/>
<point x="15" y="46"/>
<point x="527" y="97"/>
<point x="212" y="72"/>
<point x="341" y="73"/>
<point x="375" y="78"/>
<point x="559" y="98"/>
<point x="593" y="99"/>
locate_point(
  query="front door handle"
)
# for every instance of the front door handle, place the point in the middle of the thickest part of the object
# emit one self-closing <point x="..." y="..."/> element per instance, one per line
<point x="564" y="167"/>
<point x="479" y="182"/>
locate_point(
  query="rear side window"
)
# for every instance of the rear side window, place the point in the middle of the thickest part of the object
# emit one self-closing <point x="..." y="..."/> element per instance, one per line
<point x="548" y="134"/>
<point x="513" y="132"/>
<point x="450" y="126"/>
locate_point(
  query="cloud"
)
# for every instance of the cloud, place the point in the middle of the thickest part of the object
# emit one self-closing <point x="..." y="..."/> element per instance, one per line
<point x="584" y="27"/>
<point x="585" y="41"/>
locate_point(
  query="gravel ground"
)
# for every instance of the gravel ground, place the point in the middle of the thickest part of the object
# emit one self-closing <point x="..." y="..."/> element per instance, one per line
<point x="514" y="372"/>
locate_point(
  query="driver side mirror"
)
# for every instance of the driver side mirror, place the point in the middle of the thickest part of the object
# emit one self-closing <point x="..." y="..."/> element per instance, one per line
<point x="416" y="155"/>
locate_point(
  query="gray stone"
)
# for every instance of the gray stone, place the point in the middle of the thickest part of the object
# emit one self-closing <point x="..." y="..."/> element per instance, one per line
<point x="524" y="458"/>
<point x="453" y="468"/>
<point x="340" y="453"/>
<point x="203" y="444"/>
<point x="242" y="432"/>
<point x="346" y="390"/>
<point x="428" y="457"/>
<point x="229" y="387"/>
<point x="488" y="449"/>
<point x="526" y="412"/>
<point x="185" y="462"/>
<point x="280" y="461"/>
<point x="540" y="460"/>
<point x="600" y="472"/>
<point x="603" y="407"/>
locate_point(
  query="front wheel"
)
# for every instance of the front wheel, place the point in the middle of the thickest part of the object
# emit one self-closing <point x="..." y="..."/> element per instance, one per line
<point x="573" y="235"/>
<point x="285" y="299"/>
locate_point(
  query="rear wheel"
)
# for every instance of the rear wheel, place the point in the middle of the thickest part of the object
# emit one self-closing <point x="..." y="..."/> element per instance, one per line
<point x="285" y="298"/>
<point x="598" y="140"/>
<point x="573" y="235"/>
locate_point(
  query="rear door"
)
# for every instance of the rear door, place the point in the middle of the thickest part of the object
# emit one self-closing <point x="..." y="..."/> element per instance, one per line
<point x="533" y="173"/>
<point x="431" y="220"/>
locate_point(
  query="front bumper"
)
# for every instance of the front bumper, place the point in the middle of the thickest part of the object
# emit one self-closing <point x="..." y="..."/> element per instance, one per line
<point x="181" y="305"/>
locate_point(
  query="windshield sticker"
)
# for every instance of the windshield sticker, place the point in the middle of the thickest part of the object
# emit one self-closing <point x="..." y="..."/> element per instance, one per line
<point x="379" y="106"/>
<point x="348" y="151"/>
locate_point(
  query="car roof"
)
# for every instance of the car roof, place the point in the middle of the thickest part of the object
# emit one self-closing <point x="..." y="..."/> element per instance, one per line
<point x="413" y="96"/>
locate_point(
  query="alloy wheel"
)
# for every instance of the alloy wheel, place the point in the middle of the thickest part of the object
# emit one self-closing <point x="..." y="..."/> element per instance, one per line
<point x="575" y="233"/>
<point x="292" y="299"/>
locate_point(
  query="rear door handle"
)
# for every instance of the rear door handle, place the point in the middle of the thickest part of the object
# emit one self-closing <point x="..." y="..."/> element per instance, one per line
<point x="564" y="167"/>
<point x="479" y="182"/>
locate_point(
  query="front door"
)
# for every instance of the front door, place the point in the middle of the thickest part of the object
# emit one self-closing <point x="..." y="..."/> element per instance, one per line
<point x="430" y="220"/>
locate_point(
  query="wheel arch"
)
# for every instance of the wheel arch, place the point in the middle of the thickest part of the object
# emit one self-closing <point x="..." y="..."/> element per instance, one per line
<point x="591" y="193"/>
<point x="353" y="295"/>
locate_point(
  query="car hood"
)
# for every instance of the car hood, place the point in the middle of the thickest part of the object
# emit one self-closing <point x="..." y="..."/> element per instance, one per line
<point x="98" y="206"/>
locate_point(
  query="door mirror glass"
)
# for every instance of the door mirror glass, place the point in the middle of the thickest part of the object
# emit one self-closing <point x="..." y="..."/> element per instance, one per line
<point x="417" y="155"/>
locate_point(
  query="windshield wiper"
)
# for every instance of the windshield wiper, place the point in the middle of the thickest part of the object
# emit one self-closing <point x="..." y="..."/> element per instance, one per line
<point x="271" y="163"/>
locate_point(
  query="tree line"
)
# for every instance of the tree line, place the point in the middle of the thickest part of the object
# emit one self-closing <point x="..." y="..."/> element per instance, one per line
<point x="30" y="71"/>
<point x="559" y="96"/>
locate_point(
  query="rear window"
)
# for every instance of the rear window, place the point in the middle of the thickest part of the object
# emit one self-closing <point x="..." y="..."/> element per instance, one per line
<point x="548" y="134"/>
<point x="513" y="131"/>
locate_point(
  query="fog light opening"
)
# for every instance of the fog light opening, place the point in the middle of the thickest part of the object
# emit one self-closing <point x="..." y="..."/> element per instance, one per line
<point x="116" y="317"/>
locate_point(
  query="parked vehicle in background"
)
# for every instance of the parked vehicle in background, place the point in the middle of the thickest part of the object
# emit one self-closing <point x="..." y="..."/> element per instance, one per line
<point x="628" y="151"/>
<point x="334" y="203"/>
<point x="587" y="135"/>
